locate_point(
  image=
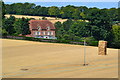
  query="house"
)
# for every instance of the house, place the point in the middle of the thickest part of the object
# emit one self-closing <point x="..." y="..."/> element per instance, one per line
<point x="42" y="29"/>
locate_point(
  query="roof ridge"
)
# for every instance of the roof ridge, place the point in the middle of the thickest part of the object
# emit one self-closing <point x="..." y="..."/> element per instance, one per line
<point x="39" y="20"/>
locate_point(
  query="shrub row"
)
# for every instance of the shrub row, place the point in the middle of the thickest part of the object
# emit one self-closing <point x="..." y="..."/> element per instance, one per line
<point x="81" y="42"/>
<point x="90" y="43"/>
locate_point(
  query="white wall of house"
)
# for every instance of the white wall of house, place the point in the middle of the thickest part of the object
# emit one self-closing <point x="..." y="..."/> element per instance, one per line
<point x="47" y="35"/>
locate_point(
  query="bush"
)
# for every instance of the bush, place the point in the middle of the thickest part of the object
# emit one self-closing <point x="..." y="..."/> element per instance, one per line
<point x="114" y="45"/>
<point x="93" y="43"/>
<point x="63" y="41"/>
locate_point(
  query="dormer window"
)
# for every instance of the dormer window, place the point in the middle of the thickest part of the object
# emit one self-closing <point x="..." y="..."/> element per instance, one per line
<point x="48" y="28"/>
<point x="39" y="28"/>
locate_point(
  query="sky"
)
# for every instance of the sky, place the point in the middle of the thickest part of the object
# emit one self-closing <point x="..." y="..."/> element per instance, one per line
<point x="89" y="3"/>
<point x="61" y="0"/>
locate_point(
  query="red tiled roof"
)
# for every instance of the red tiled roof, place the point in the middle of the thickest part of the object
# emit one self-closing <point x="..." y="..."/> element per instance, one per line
<point x="34" y="24"/>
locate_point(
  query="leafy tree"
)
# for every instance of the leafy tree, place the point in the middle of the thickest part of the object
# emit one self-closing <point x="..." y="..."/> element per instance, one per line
<point x="2" y="16"/>
<point x="66" y="12"/>
<point x="8" y="25"/>
<point x="53" y="11"/>
<point x="18" y="26"/>
<point x="116" y="32"/>
<point x="116" y="36"/>
<point x="25" y="26"/>
<point x="2" y="7"/>
<point x="3" y="32"/>
<point x="67" y="24"/>
<point x="82" y="15"/>
<point x="83" y="8"/>
<point x="28" y="8"/>
<point x="76" y="14"/>
<point x="58" y="25"/>
<point x="80" y="29"/>
<point x="113" y="14"/>
<point x="59" y="30"/>
<point x="21" y="26"/>
<point x="40" y="11"/>
<point x="61" y="33"/>
<point x="95" y="32"/>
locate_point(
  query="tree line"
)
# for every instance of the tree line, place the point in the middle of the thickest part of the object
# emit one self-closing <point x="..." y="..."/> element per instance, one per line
<point x="69" y="11"/>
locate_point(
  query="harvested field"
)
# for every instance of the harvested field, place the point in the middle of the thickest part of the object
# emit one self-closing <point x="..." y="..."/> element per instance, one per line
<point x="52" y="19"/>
<point x="28" y="59"/>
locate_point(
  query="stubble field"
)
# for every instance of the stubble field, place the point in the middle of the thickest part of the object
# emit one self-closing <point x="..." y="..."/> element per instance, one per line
<point x="51" y="19"/>
<point x="28" y="59"/>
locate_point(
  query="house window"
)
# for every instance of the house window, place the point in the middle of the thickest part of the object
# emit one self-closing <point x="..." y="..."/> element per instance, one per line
<point x="39" y="28"/>
<point x="43" y="33"/>
<point x="37" y="33"/>
<point x="51" y="33"/>
<point x="48" y="33"/>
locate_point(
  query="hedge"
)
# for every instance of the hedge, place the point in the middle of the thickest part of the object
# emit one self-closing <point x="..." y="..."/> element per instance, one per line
<point x="81" y="42"/>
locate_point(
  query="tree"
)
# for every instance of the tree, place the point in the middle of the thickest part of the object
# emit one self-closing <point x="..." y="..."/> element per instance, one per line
<point x="83" y="8"/>
<point x="116" y="32"/>
<point x="113" y="14"/>
<point x="82" y="14"/>
<point x="28" y="8"/>
<point x="80" y="29"/>
<point x="18" y="26"/>
<point x="67" y="12"/>
<point x="3" y="32"/>
<point x="21" y="26"/>
<point x="2" y="5"/>
<point x="2" y="15"/>
<point x="67" y="24"/>
<point x="76" y="14"/>
<point x="53" y="11"/>
<point x="59" y="30"/>
<point x="95" y="32"/>
<point x="25" y="26"/>
<point x="40" y="11"/>
<point x="58" y="25"/>
<point x="8" y="25"/>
